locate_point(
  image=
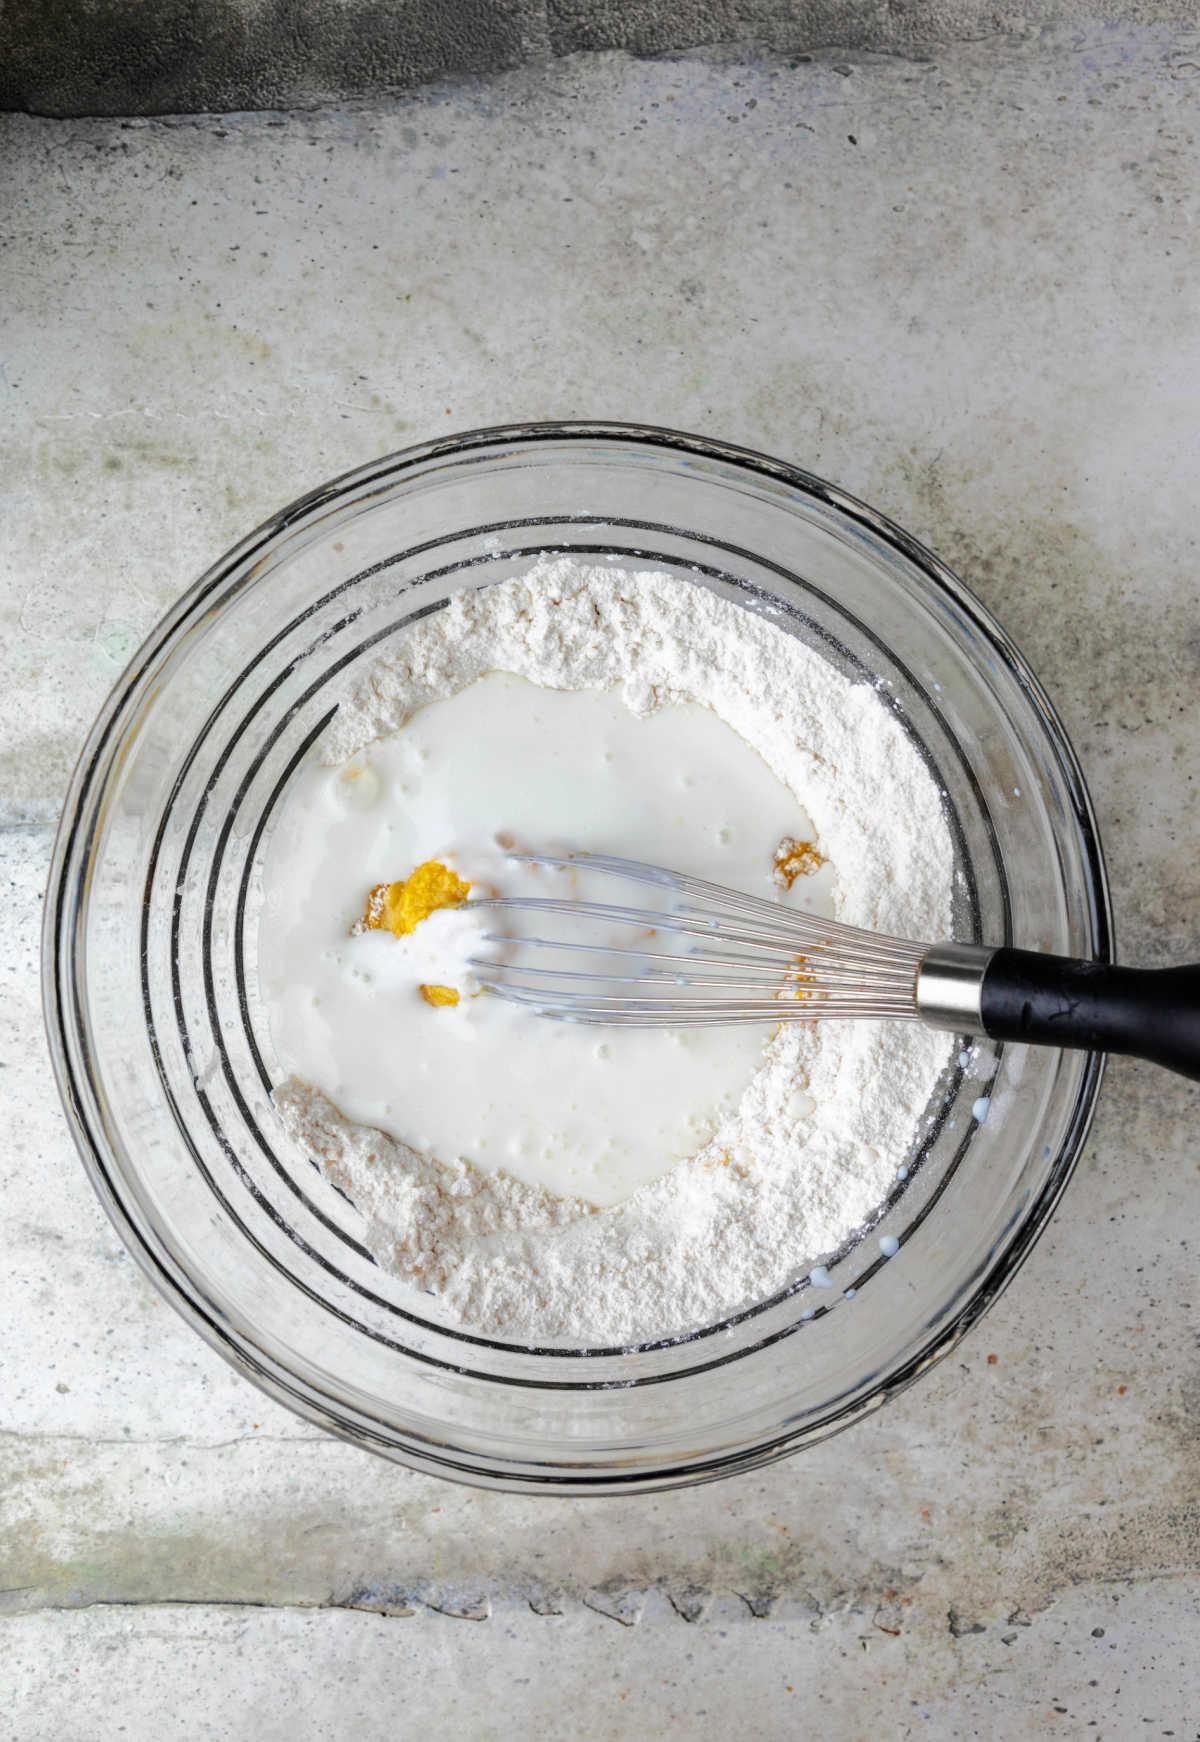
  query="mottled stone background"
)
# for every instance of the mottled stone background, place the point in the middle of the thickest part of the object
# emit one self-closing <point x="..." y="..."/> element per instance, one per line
<point x="158" y="57"/>
<point x="964" y="287"/>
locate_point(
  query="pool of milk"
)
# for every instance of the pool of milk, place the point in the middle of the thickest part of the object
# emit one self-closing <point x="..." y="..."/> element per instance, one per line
<point x="588" y="1112"/>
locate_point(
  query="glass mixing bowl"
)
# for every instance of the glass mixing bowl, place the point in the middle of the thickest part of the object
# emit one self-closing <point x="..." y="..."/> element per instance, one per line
<point x="165" y="1064"/>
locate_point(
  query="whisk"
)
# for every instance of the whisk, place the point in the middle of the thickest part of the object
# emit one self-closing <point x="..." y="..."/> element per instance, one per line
<point x="737" y="958"/>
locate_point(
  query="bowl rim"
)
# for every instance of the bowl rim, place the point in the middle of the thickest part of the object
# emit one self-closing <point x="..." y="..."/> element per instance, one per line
<point x="83" y="800"/>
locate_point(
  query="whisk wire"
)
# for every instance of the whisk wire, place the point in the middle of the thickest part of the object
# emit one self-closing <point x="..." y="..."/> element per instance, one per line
<point x="759" y="961"/>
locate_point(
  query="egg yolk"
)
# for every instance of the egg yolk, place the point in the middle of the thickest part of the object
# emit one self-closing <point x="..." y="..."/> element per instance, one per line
<point x="400" y="908"/>
<point x="439" y="995"/>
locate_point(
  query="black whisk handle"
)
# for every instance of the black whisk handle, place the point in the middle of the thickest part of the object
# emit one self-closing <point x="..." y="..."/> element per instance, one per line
<point x="1151" y="1013"/>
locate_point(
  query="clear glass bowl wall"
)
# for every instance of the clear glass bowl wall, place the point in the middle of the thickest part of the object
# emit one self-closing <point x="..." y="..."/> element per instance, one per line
<point x="165" y="1061"/>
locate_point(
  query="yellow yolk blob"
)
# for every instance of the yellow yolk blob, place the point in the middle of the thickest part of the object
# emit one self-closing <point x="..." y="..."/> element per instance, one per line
<point x="400" y="908"/>
<point x="439" y="995"/>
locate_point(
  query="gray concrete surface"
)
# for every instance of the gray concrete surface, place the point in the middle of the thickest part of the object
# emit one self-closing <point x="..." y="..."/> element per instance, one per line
<point x="156" y="57"/>
<point x="966" y="291"/>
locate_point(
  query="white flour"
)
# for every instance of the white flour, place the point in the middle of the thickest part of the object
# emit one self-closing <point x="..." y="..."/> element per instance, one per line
<point x="834" y="1110"/>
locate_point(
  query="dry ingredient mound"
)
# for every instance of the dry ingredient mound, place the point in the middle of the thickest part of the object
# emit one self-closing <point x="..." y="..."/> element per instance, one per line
<point x="834" y="1110"/>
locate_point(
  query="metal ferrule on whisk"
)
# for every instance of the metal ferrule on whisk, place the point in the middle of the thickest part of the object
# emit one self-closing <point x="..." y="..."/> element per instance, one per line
<point x="950" y="985"/>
